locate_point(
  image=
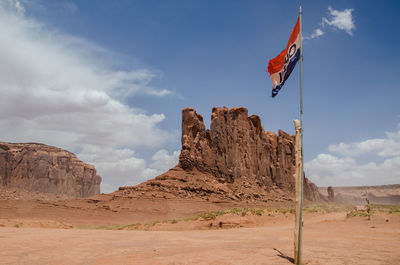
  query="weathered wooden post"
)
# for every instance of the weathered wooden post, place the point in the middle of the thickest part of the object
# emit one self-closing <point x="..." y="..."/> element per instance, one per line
<point x="298" y="187"/>
<point x="368" y="206"/>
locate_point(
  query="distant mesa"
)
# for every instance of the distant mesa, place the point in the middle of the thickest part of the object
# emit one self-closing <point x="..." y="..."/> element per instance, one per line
<point x="379" y="194"/>
<point x="233" y="160"/>
<point x="46" y="169"/>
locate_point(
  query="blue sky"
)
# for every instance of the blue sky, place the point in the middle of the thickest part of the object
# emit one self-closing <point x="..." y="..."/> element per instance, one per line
<point x="108" y="80"/>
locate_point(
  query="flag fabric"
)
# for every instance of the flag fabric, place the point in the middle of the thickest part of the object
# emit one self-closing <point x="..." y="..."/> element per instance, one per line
<point x="282" y="65"/>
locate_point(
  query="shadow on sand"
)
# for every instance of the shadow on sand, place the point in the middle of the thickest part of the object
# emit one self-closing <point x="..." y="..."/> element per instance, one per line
<point x="282" y="255"/>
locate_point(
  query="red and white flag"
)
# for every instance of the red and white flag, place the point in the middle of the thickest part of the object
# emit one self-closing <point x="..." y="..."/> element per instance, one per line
<point x="282" y="65"/>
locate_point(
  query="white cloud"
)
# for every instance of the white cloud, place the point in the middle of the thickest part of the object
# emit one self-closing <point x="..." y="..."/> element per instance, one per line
<point x="125" y="167"/>
<point x="13" y="6"/>
<point x="58" y="89"/>
<point x="106" y="188"/>
<point x="342" y="20"/>
<point x="384" y="147"/>
<point x="19" y="8"/>
<point x="163" y="161"/>
<point x="344" y="167"/>
<point x="317" y="33"/>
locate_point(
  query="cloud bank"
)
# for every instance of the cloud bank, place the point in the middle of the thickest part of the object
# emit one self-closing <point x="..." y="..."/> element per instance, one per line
<point x="348" y="164"/>
<point x="342" y="20"/>
<point x="57" y="89"/>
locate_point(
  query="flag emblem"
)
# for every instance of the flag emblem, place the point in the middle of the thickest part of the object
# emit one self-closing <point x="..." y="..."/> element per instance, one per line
<point x="282" y="65"/>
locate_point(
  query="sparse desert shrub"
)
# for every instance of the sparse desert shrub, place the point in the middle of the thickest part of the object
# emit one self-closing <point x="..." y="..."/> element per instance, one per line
<point x="237" y="211"/>
<point x="355" y="213"/>
<point x="385" y="208"/>
<point x="327" y="207"/>
<point x="258" y="212"/>
<point x="208" y="216"/>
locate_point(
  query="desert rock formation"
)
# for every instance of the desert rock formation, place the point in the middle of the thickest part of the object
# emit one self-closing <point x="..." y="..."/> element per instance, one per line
<point x="331" y="194"/>
<point x="46" y="169"/>
<point x="234" y="159"/>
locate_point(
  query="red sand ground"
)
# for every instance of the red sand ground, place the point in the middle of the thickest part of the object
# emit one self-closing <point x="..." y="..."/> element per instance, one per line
<point x="35" y="232"/>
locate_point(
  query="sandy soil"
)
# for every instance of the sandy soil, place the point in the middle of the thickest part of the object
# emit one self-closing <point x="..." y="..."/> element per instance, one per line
<point x="33" y="232"/>
<point x="106" y="210"/>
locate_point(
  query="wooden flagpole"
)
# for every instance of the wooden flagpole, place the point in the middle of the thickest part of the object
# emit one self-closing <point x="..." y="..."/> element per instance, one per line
<point x="299" y="175"/>
<point x="297" y="178"/>
<point x="301" y="136"/>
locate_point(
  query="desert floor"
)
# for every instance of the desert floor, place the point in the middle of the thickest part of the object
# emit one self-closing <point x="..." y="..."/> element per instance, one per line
<point x="165" y="232"/>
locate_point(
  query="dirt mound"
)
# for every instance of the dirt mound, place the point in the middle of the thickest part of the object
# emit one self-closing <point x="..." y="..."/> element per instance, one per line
<point x="194" y="184"/>
<point x="38" y="168"/>
<point x="234" y="160"/>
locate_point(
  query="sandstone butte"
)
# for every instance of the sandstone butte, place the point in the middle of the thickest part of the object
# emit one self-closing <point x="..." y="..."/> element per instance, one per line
<point x="46" y="169"/>
<point x="233" y="160"/>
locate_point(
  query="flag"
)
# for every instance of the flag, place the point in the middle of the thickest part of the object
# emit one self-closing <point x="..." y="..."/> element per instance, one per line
<point x="282" y="65"/>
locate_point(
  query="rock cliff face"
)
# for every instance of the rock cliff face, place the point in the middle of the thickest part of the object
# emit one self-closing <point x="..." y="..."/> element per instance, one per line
<point x="234" y="159"/>
<point x="46" y="169"/>
<point x="236" y="146"/>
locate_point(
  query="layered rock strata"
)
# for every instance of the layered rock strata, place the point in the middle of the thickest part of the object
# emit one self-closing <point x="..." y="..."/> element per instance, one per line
<point x="46" y="169"/>
<point x="234" y="159"/>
